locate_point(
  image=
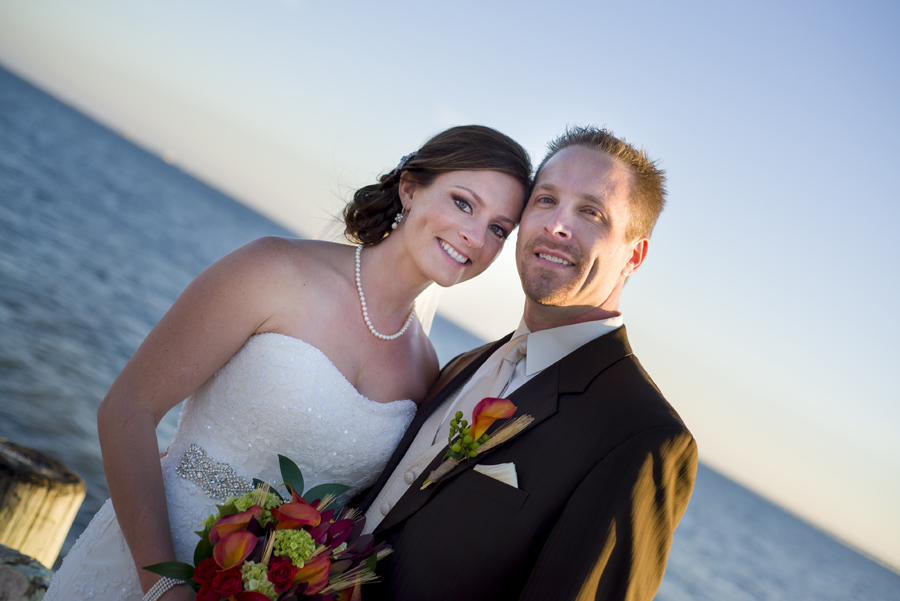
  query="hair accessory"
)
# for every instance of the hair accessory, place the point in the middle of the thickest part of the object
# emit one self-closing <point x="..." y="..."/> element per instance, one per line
<point x="405" y="160"/>
<point x="365" y="310"/>
<point x="398" y="218"/>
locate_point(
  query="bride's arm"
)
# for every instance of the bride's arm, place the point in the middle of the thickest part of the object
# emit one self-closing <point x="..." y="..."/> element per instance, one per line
<point x="211" y="320"/>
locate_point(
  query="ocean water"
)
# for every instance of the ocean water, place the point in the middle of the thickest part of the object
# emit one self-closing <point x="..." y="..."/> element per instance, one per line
<point x="97" y="239"/>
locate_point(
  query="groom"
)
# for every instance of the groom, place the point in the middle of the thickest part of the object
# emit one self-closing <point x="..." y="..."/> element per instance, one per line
<point x="583" y="503"/>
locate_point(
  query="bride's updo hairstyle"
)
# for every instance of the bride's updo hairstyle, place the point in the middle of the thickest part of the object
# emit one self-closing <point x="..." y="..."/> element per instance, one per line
<point x="371" y="213"/>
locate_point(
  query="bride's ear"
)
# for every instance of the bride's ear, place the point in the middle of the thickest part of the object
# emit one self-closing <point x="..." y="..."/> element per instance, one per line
<point x="407" y="189"/>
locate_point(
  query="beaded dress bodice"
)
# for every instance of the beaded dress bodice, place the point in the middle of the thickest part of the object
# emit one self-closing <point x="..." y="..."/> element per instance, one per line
<point x="276" y="395"/>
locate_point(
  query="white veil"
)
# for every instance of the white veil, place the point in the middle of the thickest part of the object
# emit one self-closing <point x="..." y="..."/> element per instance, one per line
<point x="426" y="303"/>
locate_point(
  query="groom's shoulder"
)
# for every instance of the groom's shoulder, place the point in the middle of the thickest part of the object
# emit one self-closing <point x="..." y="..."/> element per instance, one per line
<point x="608" y="370"/>
<point x="458" y="364"/>
<point x="475" y="353"/>
<point x="463" y="360"/>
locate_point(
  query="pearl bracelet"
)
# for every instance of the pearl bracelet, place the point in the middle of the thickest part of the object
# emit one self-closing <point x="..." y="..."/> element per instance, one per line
<point x="160" y="587"/>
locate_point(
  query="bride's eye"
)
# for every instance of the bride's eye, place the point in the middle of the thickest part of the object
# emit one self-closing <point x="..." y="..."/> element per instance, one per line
<point x="462" y="204"/>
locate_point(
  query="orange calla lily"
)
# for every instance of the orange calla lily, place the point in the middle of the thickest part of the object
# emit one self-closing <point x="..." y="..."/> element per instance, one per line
<point x="296" y="498"/>
<point x="233" y="549"/>
<point x="233" y="523"/>
<point x="486" y="412"/>
<point x="315" y="573"/>
<point x="295" y="515"/>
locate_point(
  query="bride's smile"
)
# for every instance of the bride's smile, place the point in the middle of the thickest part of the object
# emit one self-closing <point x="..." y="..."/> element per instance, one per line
<point x="453" y="253"/>
<point x="456" y="227"/>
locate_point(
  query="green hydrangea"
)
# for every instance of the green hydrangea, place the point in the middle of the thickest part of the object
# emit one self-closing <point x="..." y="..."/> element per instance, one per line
<point x="296" y="544"/>
<point x="211" y="520"/>
<point x="245" y="502"/>
<point x="256" y="579"/>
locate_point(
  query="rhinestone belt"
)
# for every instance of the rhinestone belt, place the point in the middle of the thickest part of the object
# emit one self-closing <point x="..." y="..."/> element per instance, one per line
<point x="217" y="479"/>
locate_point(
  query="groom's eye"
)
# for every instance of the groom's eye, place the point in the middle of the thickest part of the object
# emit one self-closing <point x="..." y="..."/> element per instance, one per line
<point x="595" y="214"/>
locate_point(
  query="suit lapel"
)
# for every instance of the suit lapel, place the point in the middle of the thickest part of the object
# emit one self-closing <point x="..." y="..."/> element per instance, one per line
<point x="538" y="398"/>
<point x="452" y="377"/>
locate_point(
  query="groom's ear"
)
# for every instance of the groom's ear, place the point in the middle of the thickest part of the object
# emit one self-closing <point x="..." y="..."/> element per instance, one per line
<point x="406" y="188"/>
<point x="638" y="254"/>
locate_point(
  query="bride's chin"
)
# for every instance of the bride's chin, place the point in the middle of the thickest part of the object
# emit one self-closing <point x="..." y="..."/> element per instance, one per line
<point x="445" y="279"/>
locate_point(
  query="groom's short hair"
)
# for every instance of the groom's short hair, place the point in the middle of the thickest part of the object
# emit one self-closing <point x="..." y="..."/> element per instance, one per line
<point x="648" y="190"/>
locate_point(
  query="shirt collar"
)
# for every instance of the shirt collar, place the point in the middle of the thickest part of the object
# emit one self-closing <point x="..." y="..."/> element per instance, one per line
<point x="549" y="346"/>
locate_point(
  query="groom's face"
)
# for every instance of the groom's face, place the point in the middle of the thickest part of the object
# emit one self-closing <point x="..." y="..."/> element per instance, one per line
<point x="572" y="249"/>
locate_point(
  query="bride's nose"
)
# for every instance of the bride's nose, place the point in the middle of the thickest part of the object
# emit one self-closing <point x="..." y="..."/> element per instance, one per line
<point x="473" y="236"/>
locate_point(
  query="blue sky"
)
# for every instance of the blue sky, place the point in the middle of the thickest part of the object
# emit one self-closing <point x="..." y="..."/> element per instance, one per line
<point x="766" y="309"/>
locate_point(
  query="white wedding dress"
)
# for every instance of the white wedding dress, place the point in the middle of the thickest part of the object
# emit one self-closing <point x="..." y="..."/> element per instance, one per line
<point x="277" y="395"/>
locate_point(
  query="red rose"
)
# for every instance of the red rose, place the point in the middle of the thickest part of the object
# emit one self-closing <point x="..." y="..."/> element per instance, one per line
<point x="206" y="593"/>
<point x="251" y="596"/>
<point x="281" y="574"/>
<point x="205" y="571"/>
<point x="228" y="582"/>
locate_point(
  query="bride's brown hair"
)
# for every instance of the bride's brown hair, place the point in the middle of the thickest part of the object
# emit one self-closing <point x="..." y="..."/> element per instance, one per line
<point x="369" y="215"/>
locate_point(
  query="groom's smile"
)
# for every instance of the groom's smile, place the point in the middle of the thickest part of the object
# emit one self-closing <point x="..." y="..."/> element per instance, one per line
<point x="555" y="258"/>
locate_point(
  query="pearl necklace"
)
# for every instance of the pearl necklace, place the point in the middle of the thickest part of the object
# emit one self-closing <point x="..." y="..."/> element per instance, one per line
<point x="365" y="311"/>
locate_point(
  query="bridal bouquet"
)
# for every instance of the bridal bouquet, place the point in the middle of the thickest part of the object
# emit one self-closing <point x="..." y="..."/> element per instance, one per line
<point x="261" y="547"/>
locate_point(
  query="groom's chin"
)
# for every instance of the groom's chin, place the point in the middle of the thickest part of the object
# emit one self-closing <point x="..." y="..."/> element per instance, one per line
<point x="543" y="290"/>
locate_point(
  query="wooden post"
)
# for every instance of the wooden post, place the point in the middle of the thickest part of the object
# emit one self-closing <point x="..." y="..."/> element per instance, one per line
<point x="39" y="497"/>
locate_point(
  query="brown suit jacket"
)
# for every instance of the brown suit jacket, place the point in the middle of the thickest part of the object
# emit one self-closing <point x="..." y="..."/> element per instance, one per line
<point x="605" y="473"/>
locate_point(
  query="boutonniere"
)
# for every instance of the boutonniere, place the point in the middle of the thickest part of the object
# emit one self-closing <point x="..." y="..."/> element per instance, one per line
<point x="467" y="440"/>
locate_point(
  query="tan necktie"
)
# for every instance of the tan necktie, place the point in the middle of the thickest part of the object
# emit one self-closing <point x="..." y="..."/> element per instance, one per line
<point x="489" y="386"/>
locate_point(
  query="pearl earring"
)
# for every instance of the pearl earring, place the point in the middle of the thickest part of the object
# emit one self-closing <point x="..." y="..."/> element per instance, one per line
<point x="398" y="218"/>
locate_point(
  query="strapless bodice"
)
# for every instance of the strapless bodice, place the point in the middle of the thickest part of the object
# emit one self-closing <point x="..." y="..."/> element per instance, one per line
<point x="279" y="395"/>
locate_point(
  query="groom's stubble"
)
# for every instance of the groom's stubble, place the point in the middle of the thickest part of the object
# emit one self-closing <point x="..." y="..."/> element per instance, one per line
<point x="547" y="286"/>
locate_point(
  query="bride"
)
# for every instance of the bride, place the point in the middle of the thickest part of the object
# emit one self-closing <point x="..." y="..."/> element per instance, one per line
<point x="294" y="347"/>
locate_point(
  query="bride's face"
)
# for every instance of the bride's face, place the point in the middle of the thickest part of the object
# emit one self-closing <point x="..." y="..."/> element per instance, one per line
<point x="456" y="227"/>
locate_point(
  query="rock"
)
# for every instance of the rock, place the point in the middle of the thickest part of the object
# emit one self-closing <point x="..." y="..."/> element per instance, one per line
<point x="21" y="577"/>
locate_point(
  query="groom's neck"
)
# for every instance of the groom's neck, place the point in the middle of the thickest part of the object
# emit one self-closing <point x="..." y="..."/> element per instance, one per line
<point x="544" y="317"/>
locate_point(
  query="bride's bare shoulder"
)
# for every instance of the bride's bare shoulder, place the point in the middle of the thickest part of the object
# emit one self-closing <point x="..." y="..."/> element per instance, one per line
<point x="298" y="257"/>
<point x="274" y="273"/>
